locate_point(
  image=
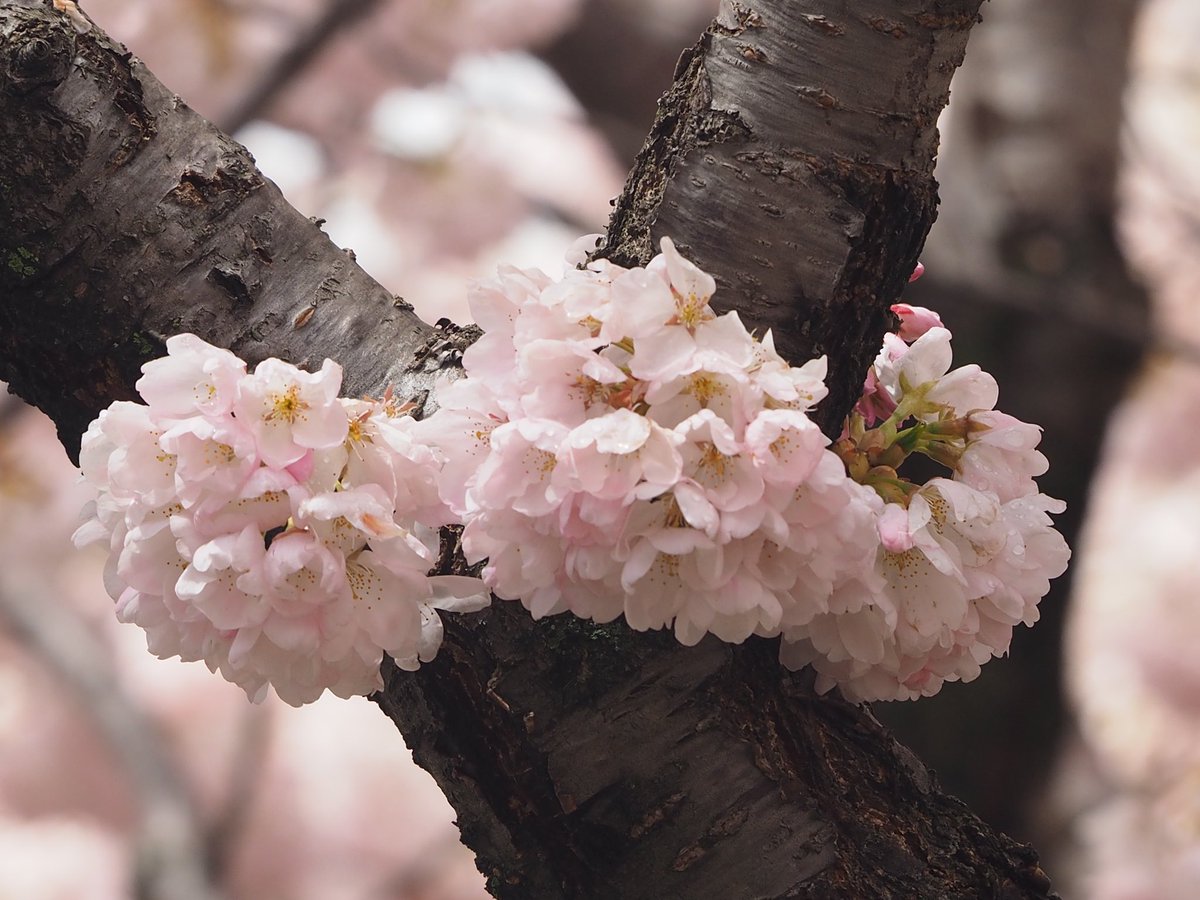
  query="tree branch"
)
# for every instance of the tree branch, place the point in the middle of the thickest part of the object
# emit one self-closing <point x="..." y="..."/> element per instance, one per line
<point x="584" y="761"/>
<point x="793" y="159"/>
<point x="127" y="218"/>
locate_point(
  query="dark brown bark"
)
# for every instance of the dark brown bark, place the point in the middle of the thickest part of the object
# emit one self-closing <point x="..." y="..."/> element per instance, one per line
<point x="584" y="761"/>
<point x="128" y="218"/>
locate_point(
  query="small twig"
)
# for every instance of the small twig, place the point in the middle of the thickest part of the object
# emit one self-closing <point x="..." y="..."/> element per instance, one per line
<point x="170" y="852"/>
<point x="338" y="16"/>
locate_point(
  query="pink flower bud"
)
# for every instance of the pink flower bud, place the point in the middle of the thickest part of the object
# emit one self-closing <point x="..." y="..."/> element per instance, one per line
<point x="915" y="320"/>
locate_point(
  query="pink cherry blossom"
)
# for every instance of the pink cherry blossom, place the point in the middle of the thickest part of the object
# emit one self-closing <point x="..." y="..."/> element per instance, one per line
<point x="785" y="445"/>
<point x="139" y="469"/>
<point x="876" y="403"/>
<point x="619" y="454"/>
<point x="643" y="456"/>
<point x="915" y="320"/>
<point x="680" y="348"/>
<point x="194" y="377"/>
<point x="567" y="381"/>
<point x="461" y="433"/>
<point x="714" y="463"/>
<point x="268" y="528"/>
<point x="212" y="458"/>
<point x="959" y="561"/>
<point x="1001" y="455"/>
<point x="926" y="360"/>
<point x="615" y="448"/>
<point x="797" y="388"/>
<point x="518" y="473"/>
<point x="290" y="411"/>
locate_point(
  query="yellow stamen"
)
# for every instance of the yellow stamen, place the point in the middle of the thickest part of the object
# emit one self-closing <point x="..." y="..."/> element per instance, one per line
<point x="287" y="406"/>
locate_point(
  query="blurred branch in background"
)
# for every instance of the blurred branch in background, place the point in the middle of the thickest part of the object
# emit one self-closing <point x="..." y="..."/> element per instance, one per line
<point x="170" y="847"/>
<point x="1134" y="627"/>
<point x="245" y="781"/>
<point x="337" y="16"/>
<point x="1024" y="268"/>
<point x="645" y="38"/>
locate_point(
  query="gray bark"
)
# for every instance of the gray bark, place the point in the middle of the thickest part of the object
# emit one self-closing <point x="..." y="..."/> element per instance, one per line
<point x="583" y="761"/>
<point x="793" y="159"/>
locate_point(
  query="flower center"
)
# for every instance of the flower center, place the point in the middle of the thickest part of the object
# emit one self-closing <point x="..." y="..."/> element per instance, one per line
<point x="713" y="460"/>
<point x="705" y="388"/>
<point x="691" y="311"/>
<point x="287" y="406"/>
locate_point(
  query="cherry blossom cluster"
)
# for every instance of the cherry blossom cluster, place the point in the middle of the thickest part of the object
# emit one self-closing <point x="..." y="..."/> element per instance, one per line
<point x="617" y="448"/>
<point x="258" y="522"/>
<point x="961" y="559"/>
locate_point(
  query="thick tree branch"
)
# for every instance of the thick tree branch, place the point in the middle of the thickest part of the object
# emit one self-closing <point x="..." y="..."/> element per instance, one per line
<point x="128" y="218"/>
<point x="793" y="159"/>
<point x="584" y="761"/>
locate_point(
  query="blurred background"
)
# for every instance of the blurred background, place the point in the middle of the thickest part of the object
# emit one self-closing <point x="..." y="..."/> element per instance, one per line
<point x="438" y="138"/>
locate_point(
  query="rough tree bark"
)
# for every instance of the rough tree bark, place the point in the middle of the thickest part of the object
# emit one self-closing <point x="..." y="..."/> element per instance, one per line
<point x="792" y="157"/>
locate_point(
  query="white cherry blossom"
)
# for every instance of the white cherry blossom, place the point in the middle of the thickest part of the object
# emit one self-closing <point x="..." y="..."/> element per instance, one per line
<point x="257" y="522"/>
<point x="615" y="449"/>
<point x="961" y="560"/>
<point x="650" y="459"/>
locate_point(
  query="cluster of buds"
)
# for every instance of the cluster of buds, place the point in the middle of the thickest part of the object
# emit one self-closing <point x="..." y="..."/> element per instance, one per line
<point x="962" y="559"/>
